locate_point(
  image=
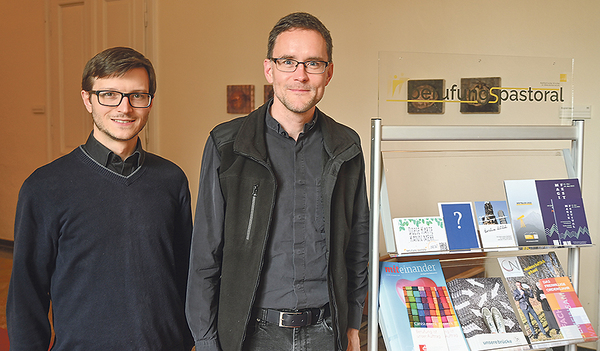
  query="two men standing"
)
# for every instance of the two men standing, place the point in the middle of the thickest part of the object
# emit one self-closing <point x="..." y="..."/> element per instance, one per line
<point x="522" y="296"/>
<point x="279" y="249"/>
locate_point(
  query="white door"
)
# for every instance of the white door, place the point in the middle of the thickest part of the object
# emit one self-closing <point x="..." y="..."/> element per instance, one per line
<point x="76" y="31"/>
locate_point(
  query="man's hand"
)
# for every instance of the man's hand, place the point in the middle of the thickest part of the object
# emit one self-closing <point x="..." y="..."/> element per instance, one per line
<point x="353" y="340"/>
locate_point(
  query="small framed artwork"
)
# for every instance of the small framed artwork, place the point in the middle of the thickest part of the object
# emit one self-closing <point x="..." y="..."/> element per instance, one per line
<point x="268" y="92"/>
<point x="240" y="98"/>
<point x="481" y="95"/>
<point x="425" y="96"/>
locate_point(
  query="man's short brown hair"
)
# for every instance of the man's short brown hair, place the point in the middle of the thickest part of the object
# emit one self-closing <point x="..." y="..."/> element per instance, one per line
<point x="300" y="20"/>
<point x="115" y="62"/>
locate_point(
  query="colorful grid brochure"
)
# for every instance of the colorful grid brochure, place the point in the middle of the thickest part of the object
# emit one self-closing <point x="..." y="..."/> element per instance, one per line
<point x="415" y="308"/>
<point x="429" y="307"/>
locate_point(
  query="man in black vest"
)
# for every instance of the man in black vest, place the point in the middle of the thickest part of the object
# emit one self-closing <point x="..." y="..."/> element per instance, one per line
<point x="280" y="243"/>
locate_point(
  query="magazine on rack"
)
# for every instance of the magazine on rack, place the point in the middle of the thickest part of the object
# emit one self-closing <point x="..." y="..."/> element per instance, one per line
<point x="523" y="276"/>
<point x="564" y="217"/>
<point x="566" y="307"/>
<point x="547" y="212"/>
<point x="484" y="311"/>
<point x="415" y="308"/>
<point x="525" y="212"/>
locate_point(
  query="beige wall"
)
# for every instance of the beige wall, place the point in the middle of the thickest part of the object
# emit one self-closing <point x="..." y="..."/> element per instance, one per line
<point x="203" y="46"/>
<point x="23" y="134"/>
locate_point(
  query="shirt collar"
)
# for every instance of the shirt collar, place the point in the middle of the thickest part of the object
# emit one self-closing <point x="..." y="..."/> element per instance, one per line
<point x="275" y="126"/>
<point x="105" y="156"/>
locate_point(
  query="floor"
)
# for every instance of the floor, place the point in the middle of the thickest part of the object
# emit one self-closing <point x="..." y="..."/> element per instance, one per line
<point x="363" y="337"/>
<point x="5" y="269"/>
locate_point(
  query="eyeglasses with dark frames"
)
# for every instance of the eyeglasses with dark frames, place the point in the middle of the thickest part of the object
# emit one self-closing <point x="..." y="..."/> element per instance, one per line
<point x="113" y="98"/>
<point x="289" y="65"/>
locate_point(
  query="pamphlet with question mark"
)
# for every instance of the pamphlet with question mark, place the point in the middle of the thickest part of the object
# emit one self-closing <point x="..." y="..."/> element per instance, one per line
<point x="460" y="225"/>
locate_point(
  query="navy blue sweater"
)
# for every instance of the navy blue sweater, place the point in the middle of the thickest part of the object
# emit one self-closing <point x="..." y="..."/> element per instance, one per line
<point x="110" y="252"/>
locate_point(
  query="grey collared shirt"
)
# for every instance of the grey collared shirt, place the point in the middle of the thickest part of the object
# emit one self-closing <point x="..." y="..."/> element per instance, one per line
<point x="294" y="274"/>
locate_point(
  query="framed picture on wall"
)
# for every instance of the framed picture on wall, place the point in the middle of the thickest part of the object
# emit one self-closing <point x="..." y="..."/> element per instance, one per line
<point x="268" y="92"/>
<point x="240" y="98"/>
<point x="480" y="95"/>
<point x="425" y="96"/>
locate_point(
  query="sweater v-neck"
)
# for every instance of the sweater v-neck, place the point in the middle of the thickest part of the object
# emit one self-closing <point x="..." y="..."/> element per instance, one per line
<point x="107" y="173"/>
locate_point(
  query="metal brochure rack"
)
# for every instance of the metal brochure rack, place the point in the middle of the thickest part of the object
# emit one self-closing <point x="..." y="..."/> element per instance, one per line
<point x="380" y="133"/>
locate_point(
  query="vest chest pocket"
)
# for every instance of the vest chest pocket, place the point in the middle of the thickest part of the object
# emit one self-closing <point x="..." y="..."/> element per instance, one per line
<point x="252" y="210"/>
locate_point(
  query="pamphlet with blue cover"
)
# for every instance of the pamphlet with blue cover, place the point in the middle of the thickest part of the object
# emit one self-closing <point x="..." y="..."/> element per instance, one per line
<point x="415" y="308"/>
<point x="461" y="232"/>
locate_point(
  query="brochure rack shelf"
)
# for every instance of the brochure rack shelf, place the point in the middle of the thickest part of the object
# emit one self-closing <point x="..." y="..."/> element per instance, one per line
<point x="378" y="190"/>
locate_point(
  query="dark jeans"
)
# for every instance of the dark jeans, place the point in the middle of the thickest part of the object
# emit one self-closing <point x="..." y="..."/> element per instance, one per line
<point x="529" y="311"/>
<point x="264" y="336"/>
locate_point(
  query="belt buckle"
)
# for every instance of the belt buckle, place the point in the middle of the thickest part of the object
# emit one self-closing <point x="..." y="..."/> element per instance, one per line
<point x="282" y="314"/>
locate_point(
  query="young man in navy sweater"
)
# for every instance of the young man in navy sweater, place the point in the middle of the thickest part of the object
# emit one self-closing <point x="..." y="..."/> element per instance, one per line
<point x="104" y="232"/>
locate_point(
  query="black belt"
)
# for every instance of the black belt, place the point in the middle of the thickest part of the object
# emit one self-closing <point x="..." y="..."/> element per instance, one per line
<point x="293" y="318"/>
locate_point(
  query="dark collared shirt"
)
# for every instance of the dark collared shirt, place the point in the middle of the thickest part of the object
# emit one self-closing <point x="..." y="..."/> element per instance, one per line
<point x="112" y="161"/>
<point x="294" y="275"/>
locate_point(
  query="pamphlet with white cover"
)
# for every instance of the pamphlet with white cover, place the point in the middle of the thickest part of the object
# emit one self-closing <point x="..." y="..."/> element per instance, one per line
<point x="493" y="220"/>
<point x="419" y="234"/>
